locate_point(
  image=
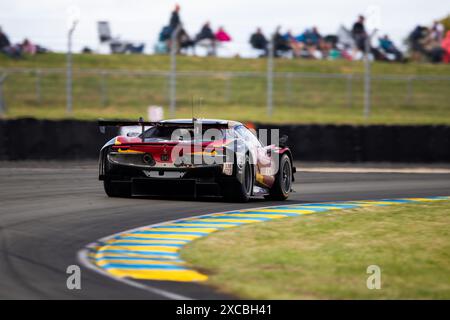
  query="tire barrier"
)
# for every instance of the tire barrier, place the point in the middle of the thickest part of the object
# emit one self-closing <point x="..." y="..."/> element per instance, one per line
<point x="374" y="143"/>
<point x="32" y="139"/>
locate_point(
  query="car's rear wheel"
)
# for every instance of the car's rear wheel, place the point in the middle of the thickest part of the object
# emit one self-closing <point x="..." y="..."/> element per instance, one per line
<point x="242" y="191"/>
<point x="283" y="180"/>
<point x="117" y="189"/>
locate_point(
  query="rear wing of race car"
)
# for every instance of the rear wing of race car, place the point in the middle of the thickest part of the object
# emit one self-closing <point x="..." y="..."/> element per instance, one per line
<point x="102" y="124"/>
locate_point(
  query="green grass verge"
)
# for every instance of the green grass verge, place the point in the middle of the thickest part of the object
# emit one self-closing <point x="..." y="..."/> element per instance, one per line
<point x="325" y="255"/>
<point x="162" y="63"/>
<point x="305" y="100"/>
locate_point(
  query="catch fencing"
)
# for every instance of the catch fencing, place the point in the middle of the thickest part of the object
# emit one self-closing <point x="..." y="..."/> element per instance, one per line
<point x="25" y="91"/>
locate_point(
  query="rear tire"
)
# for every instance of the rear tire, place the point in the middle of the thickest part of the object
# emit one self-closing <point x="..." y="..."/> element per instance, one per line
<point x="117" y="189"/>
<point x="283" y="180"/>
<point x="241" y="192"/>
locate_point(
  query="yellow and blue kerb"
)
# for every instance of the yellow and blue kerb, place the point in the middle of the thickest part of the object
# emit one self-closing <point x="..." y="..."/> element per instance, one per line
<point x="153" y="252"/>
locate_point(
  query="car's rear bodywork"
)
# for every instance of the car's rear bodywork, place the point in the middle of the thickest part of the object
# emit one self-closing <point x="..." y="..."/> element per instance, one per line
<point x="191" y="163"/>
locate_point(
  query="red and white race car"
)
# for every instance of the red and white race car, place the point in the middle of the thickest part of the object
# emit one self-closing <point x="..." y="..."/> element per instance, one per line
<point x="194" y="158"/>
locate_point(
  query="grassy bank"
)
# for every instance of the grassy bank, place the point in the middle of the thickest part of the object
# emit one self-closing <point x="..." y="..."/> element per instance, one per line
<point x="325" y="256"/>
<point x="297" y="100"/>
<point x="162" y="63"/>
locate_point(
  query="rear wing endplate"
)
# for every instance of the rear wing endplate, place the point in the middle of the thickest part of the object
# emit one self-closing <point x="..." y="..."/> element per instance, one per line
<point x="102" y="124"/>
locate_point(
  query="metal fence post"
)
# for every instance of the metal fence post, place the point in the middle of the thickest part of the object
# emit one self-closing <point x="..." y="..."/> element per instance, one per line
<point x="38" y="87"/>
<point x="69" y="69"/>
<point x="367" y="76"/>
<point x="367" y="79"/>
<point x="2" y="98"/>
<point x="270" y="57"/>
<point x="173" y="71"/>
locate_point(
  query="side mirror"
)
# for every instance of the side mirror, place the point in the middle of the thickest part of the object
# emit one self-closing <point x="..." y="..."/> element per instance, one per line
<point x="283" y="140"/>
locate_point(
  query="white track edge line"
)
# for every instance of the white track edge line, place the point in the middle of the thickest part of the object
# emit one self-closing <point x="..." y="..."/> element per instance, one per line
<point x="84" y="260"/>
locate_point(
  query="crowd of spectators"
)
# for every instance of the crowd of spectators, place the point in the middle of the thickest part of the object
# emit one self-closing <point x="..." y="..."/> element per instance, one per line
<point x="348" y="43"/>
<point x="311" y="44"/>
<point x="430" y="43"/>
<point x="175" y="31"/>
<point x="26" y="47"/>
<point x="425" y="43"/>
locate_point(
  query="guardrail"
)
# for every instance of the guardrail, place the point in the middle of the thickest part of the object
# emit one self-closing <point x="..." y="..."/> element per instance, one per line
<point x="44" y="71"/>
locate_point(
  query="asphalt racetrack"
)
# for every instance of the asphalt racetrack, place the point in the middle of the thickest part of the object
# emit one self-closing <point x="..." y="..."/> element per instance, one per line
<point x="49" y="211"/>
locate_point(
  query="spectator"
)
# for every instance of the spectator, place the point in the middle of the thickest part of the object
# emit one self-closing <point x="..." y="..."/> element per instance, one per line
<point x="432" y="49"/>
<point x="424" y="45"/>
<point x="328" y="46"/>
<point x="175" y="20"/>
<point x="28" y="47"/>
<point x="205" y="33"/>
<point x="437" y="31"/>
<point x="332" y="40"/>
<point x="207" y="39"/>
<point x="296" y="45"/>
<point x="314" y="37"/>
<point x="446" y="47"/>
<point x="7" y="48"/>
<point x="313" y="40"/>
<point x="416" y="42"/>
<point x="416" y="36"/>
<point x="300" y="38"/>
<point x="281" y="45"/>
<point x="436" y="54"/>
<point x="185" y="41"/>
<point x="359" y="33"/>
<point x="259" y="41"/>
<point x="5" y="44"/>
<point x="162" y="45"/>
<point x="167" y="32"/>
<point x="360" y="36"/>
<point x="222" y="36"/>
<point x="4" y="40"/>
<point x="389" y="47"/>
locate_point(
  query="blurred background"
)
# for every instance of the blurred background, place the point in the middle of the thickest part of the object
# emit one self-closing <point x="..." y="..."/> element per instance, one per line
<point x="351" y="62"/>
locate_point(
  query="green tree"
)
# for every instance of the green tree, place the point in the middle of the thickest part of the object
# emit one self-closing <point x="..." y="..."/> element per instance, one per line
<point x="446" y="22"/>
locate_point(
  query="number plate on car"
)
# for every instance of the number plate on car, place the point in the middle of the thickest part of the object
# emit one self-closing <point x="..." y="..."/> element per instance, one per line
<point x="160" y="174"/>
